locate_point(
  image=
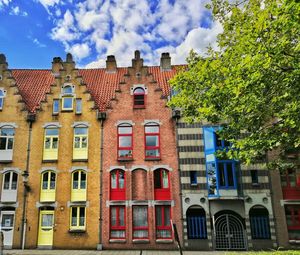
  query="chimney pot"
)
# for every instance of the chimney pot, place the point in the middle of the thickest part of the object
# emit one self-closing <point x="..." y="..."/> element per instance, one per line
<point x="111" y="64"/>
<point x="69" y="58"/>
<point x="165" y="61"/>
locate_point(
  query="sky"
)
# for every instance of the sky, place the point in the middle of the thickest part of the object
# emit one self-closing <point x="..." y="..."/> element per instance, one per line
<point x="32" y="32"/>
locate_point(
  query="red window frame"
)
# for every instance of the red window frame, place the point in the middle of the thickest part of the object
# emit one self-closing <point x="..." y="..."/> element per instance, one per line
<point x="164" y="225"/>
<point x="137" y="98"/>
<point x="291" y="192"/>
<point x="161" y="192"/>
<point x="294" y="218"/>
<point x="117" y="193"/>
<point x="149" y="148"/>
<point x="117" y="227"/>
<point x="125" y="148"/>
<point x="135" y="228"/>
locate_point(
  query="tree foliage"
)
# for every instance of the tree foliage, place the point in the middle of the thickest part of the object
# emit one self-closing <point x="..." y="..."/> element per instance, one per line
<point x="251" y="84"/>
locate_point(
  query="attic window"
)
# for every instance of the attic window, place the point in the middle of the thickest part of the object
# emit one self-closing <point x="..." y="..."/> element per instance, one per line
<point x="67" y="98"/>
<point x="139" y="98"/>
<point x="2" y="95"/>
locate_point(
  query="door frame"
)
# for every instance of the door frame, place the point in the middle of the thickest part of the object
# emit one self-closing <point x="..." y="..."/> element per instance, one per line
<point x="41" y="212"/>
<point x="9" y="246"/>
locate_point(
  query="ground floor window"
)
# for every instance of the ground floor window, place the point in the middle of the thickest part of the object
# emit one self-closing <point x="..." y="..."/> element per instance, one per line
<point x="259" y="221"/>
<point x="117" y="222"/>
<point x="196" y="223"/>
<point x="140" y="222"/>
<point x="292" y="214"/>
<point x="163" y="222"/>
<point x="77" y="218"/>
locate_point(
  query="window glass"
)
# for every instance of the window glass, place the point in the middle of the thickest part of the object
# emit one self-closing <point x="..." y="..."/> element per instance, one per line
<point x="152" y="129"/>
<point x="78" y="105"/>
<point x="1" y="102"/>
<point x="121" y="179"/>
<point x="74" y="216"/>
<point x="83" y="180"/>
<point x="140" y="216"/>
<point x="254" y="176"/>
<point x="6" y="180"/>
<point x="113" y="179"/>
<point x="67" y="90"/>
<point x="47" y="220"/>
<point x="1" y="93"/>
<point x="80" y="131"/>
<point x="75" y="180"/>
<point x="52" y="180"/>
<point x="14" y="181"/>
<point x="222" y="178"/>
<point x="193" y="177"/>
<point x="55" y="105"/>
<point x="7" y="220"/>
<point x="125" y="130"/>
<point x="165" y="179"/>
<point x="81" y="216"/>
<point x="52" y="131"/>
<point x="125" y="141"/>
<point x="151" y="140"/>
<point x="230" y="174"/>
<point x="45" y="180"/>
<point x="113" y="216"/>
<point x="67" y="102"/>
<point x="157" y="179"/>
<point x="7" y="131"/>
<point x="2" y="143"/>
<point x="10" y="143"/>
<point x="121" y="216"/>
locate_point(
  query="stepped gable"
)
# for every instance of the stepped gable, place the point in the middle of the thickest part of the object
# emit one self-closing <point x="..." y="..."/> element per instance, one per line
<point x="33" y="86"/>
<point x="102" y="84"/>
<point x="162" y="77"/>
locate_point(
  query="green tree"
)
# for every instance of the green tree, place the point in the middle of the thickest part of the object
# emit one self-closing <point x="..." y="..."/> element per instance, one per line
<point x="251" y="83"/>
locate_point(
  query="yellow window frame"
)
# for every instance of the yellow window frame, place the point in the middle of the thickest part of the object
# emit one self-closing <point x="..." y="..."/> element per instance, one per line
<point x="77" y="226"/>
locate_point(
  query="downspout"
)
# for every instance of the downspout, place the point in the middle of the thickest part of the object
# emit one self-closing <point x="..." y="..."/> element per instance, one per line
<point x="101" y="116"/>
<point x="176" y="116"/>
<point x="30" y="119"/>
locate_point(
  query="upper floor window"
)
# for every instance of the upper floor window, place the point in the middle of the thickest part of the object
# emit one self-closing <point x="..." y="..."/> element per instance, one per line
<point x="67" y="97"/>
<point x="48" y="186"/>
<point x="125" y="145"/>
<point x="291" y="178"/>
<point x="10" y="180"/>
<point x="254" y="177"/>
<point x="117" y="185"/>
<point x="55" y="107"/>
<point x="79" y="180"/>
<point x="152" y="141"/>
<point x="7" y="134"/>
<point x="226" y="170"/>
<point x="78" y="105"/>
<point x="139" y="98"/>
<point x="161" y="184"/>
<point x="51" y="143"/>
<point x="2" y="95"/>
<point x="80" y="145"/>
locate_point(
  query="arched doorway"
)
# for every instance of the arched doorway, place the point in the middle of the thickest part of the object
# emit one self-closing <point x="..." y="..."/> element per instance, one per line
<point x="196" y="223"/>
<point x="229" y="231"/>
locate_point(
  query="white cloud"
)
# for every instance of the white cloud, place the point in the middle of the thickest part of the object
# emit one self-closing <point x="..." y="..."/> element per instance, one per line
<point x="4" y="2"/>
<point x="80" y="51"/>
<point x="16" y="11"/>
<point x="38" y="43"/>
<point x="119" y="27"/>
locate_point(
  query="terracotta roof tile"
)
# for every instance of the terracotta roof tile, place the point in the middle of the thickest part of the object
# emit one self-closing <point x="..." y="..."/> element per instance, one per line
<point x="33" y="86"/>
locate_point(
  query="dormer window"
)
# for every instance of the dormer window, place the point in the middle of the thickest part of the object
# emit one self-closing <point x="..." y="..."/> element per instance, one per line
<point x="139" y="98"/>
<point x="67" y="98"/>
<point x="2" y="95"/>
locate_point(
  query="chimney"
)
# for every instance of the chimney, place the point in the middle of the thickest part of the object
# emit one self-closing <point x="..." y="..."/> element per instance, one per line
<point x="165" y="62"/>
<point x="3" y="63"/>
<point x="137" y="62"/>
<point x="69" y="58"/>
<point x="56" y="65"/>
<point x="111" y="64"/>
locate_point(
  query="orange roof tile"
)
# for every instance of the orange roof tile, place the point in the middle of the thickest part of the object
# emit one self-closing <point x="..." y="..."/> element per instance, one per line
<point x="33" y="86"/>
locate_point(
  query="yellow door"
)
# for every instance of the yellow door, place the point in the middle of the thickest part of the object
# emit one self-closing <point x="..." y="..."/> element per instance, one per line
<point x="46" y="228"/>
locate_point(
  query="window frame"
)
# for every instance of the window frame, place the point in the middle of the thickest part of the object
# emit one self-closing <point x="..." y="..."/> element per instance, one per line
<point x="2" y="98"/>
<point x="81" y="136"/>
<point x="117" y="227"/>
<point x="193" y="178"/>
<point x="155" y="134"/>
<point x="51" y="137"/>
<point x="55" y="103"/>
<point x="10" y="181"/>
<point x="124" y="148"/>
<point x="79" y="185"/>
<point x="78" y="104"/>
<point x="233" y="169"/>
<point x="117" y="193"/>
<point x="262" y="220"/>
<point x="135" y="100"/>
<point x="162" y="193"/>
<point x="67" y="95"/>
<point x="8" y="137"/>
<point x="254" y="177"/>
<point x="49" y="172"/>
<point x="77" y="226"/>
<point x="162" y="226"/>
<point x="142" y="228"/>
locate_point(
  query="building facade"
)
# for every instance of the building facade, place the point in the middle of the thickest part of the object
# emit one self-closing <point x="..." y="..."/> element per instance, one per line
<point x="95" y="159"/>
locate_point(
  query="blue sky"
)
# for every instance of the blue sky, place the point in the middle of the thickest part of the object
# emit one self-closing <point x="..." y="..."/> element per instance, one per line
<point x="32" y="32"/>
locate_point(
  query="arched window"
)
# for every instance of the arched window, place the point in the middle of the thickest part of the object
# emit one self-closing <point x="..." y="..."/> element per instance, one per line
<point x="152" y="143"/>
<point x="259" y="221"/>
<point x="67" y="98"/>
<point x="196" y="223"/>
<point x="79" y="180"/>
<point x="139" y="98"/>
<point x="125" y="145"/>
<point x="48" y="186"/>
<point x="161" y="184"/>
<point x="117" y="185"/>
<point x="9" y="187"/>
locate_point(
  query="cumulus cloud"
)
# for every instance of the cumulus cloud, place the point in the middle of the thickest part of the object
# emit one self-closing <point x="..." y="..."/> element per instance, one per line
<point x="16" y="11"/>
<point x="118" y="27"/>
<point x="4" y="2"/>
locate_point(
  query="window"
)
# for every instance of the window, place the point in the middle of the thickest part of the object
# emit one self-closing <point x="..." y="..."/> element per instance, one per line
<point x="152" y="146"/>
<point x="292" y="214"/>
<point x="259" y="221"/>
<point x="161" y="184"/>
<point x="78" y="106"/>
<point x="254" y="177"/>
<point x="10" y="181"/>
<point x="140" y="222"/>
<point x="139" y="98"/>
<point x="51" y="143"/>
<point x="117" y="222"/>
<point x="163" y="222"/>
<point x="196" y="223"/>
<point x="48" y="187"/>
<point x="226" y="172"/>
<point x="2" y="95"/>
<point x="193" y="178"/>
<point x="55" y="108"/>
<point x="78" y="186"/>
<point x="77" y="218"/>
<point x="125" y="141"/>
<point x="80" y="150"/>
<point x="7" y="138"/>
<point x="117" y="185"/>
<point x="67" y="98"/>
<point x="290" y="181"/>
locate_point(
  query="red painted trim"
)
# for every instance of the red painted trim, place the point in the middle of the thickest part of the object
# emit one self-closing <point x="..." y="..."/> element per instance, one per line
<point x="117" y="193"/>
<point x="117" y="226"/>
<point x="162" y="193"/>
<point x="140" y="228"/>
<point x="163" y="227"/>
<point x="139" y="100"/>
<point x="119" y="148"/>
<point x="294" y="217"/>
<point x="157" y="134"/>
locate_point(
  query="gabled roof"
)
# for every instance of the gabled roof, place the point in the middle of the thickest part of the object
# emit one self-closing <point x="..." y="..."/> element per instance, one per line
<point x="34" y="84"/>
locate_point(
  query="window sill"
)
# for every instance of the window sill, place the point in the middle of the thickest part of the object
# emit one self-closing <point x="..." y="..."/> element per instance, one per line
<point x="117" y="240"/>
<point x="55" y="114"/>
<point x="146" y="240"/>
<point x="125" y="159"/>
<point x="164" y="240"/>
<point x="49" y="160"/>
<point x="138" y="107"/>
<point x="5" y="161"/>
<point x="77" y="230"/>
<point x="152" y="159"/>
<point x="294" y="241"/>
<point x="71" y="110"/>
<point x="80" y="160"/>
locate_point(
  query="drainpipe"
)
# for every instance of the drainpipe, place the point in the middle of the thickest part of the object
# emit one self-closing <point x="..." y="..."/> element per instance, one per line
<point x="176" y="116"/>
<point x="30" y="120"/>
<point x="101" y="116"/>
